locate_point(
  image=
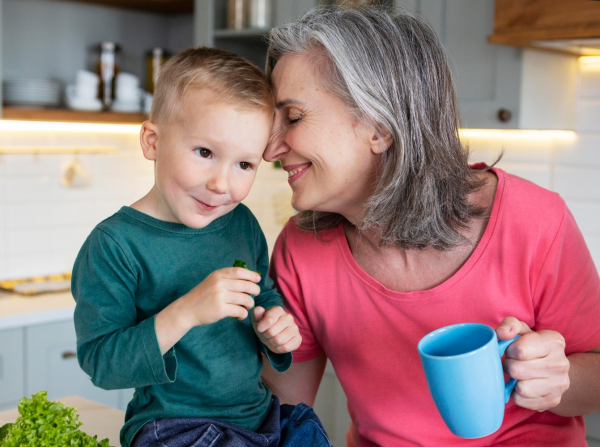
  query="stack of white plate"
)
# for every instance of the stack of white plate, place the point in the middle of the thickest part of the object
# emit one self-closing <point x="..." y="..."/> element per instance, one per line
<point x="31" y="92"/>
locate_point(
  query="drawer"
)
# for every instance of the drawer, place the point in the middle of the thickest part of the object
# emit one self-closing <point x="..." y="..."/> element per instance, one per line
<point x="11" y="368"/>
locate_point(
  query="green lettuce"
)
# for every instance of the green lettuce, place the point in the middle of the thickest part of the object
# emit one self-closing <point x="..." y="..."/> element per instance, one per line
<point x="45" y="423"/>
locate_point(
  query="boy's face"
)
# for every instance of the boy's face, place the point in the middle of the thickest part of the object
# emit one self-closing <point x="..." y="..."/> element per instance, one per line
<point x="207" y="155"/>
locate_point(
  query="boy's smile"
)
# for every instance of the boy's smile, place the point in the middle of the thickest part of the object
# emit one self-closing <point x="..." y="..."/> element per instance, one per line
<point x="206" y="156"/>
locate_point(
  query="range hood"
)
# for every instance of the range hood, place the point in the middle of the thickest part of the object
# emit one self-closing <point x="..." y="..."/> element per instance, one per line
<point x="565" y="26"/>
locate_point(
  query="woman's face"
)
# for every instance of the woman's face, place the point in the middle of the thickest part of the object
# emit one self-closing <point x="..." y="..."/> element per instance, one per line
<point x="329" y="157"/>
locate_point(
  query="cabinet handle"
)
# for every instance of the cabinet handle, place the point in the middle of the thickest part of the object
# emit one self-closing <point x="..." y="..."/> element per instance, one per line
<point x="69" y="355"/>
<point x="504" y="115"/>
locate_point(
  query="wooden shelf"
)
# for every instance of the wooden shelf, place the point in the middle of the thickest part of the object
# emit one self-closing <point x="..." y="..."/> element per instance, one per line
<point x="159" y="6"/>
<point x="257" y="33"/>
<point x="74" y="116"/>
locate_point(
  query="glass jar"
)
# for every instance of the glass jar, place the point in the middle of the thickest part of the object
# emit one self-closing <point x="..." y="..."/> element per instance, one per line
<point x="155" y="58"/>
<point x="107" y="70"/>
<point x="237" y="14"/>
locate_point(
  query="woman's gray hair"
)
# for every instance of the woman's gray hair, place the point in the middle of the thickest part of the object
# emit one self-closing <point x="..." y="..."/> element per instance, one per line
<point x="391" y="72"/>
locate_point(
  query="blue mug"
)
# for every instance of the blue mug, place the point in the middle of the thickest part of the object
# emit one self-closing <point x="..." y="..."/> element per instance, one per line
<point x="465" y="377"/>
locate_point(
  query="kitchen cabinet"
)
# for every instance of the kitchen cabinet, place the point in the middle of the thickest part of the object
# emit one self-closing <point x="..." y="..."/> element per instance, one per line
<point x="53" y="39"/>
<point x="11" y="368"/>
<point x="500" y="87"/>
<point x="51" y="365"/>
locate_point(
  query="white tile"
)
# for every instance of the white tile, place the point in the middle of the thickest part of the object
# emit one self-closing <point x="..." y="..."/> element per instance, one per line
<point x="540" y="174"/>
<point x="71" y="212"/>
<point x="57" y="192"/>
<point x="30" y="241"/>
<point x="69" y="238"/>
<point x="27" y="215"/>
<point x="29" y="189"/>
<point x="587" y="215"/>
<point x="584" y="150"/>
<point x="3" y="270"/>
<point x="590" y="82"/>
<point x="27" y="265"/>
<point x="577" y="182"/>
<point x="513" y="151"/>
<point x="63" y="261"/>
<point x="587" y="115"/>
<point x="18" y="166"/>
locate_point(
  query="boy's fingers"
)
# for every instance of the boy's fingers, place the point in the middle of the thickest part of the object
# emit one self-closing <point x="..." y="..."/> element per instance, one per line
<point x="235" y="285"/>
<point x="241" y="299"/>
<point x="270" y="318"/>
<point x="282" y="337"/>
<point x="238" y="312"/>
<point x="240" y="273"/>
<point x="258" y="314"/>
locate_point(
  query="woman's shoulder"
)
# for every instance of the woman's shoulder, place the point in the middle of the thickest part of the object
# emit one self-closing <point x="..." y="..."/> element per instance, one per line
<point x="529" y="205"/>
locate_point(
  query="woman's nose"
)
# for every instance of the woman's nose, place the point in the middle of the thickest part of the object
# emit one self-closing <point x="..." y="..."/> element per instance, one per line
<point x="276" y="149"/>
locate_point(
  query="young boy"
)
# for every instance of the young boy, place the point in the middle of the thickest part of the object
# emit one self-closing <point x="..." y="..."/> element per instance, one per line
<point x="159" y="305"/>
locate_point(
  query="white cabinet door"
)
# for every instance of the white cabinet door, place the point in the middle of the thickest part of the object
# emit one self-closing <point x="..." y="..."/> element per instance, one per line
<point x="487" y="77"/>
<point x="52" y="365"/>
<point x="11" y="368"/>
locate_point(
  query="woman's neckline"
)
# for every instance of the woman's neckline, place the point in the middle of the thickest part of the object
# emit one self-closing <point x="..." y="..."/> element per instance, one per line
<point x="444" y="286"/>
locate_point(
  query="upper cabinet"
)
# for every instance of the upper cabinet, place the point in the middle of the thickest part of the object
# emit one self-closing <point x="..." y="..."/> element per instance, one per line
<point x="500" y="87"/>
<point x="571" y="26"/>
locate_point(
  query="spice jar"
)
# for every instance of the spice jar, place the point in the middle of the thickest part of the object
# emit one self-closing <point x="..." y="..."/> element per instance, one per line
<point x="107" y="70"/>
<point x="237" y="14"/>
<point x="260" y="13"/>
<point x="155" y="58"/>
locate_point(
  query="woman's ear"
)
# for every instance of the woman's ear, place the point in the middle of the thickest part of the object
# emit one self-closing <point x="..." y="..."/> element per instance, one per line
<point x="149" y="139"/>
<point x="380" y="141"/>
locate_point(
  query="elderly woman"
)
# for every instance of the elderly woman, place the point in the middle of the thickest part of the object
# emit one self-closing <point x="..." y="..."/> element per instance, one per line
<point x="397" y="236"/>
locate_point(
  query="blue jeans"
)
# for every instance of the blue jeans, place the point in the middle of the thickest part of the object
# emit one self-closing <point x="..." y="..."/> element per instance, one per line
<point x="285" y="426"/>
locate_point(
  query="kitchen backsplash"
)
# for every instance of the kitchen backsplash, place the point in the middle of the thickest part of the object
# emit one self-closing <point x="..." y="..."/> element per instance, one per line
<point x="42" y="225"/>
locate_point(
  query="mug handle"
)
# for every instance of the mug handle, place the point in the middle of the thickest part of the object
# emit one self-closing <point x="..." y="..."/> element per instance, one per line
<point x="510" y="385"/>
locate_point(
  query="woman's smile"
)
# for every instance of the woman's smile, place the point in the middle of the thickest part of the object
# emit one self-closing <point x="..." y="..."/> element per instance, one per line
<point x="296" y="171"/>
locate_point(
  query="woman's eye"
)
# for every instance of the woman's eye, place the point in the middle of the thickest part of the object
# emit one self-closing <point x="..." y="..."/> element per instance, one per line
<point x="244" y="165"/>
<point x="204" y="153"/>
<point x="294" y="119"/>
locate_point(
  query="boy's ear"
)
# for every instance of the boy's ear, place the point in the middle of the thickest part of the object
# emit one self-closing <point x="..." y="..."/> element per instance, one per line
<point x="149" y="139"/>
<point x="380" y="141"/>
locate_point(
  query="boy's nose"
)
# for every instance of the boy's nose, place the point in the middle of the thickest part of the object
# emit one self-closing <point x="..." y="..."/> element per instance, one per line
<point x="218" y="183"/>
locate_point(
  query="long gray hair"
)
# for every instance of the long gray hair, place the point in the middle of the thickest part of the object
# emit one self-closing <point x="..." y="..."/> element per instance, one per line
<point x="391" y="72"/>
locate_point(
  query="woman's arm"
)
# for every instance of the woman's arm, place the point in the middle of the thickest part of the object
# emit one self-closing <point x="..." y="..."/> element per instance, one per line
<point x="298" y="384"/>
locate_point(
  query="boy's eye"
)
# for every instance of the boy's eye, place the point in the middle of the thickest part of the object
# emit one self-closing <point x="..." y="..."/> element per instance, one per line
<point x="244" y="165"/>
<point x="204" y="153"/>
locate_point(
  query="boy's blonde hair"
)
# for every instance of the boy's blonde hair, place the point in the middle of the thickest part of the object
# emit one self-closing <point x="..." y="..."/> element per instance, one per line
<point x="236" y="81"/>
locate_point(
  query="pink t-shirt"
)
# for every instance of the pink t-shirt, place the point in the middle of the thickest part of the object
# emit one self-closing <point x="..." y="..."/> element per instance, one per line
<point x="531" y="263"/>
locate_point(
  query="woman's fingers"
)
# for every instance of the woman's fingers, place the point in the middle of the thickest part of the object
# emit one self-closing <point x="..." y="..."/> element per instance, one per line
<point x="538" y="362"/>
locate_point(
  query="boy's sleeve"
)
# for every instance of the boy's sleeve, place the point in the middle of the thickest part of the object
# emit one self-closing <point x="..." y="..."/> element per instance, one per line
<point x="113" y="347"/>
<point x="269" y="297"/>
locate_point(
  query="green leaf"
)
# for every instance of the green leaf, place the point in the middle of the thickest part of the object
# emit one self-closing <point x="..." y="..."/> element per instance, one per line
<point x="47" y="423"/>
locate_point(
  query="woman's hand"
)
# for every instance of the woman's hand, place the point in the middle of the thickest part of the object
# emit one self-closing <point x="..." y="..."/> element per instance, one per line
<point x="276" y="329"/>
<point x="538" y="362"/>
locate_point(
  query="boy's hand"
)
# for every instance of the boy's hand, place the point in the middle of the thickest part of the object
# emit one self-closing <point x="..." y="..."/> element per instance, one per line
<point x="224" y="293"/>
<point x="276" y="329"/>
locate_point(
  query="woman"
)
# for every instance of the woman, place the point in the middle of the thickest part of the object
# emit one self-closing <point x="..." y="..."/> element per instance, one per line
<point x="397" y="236"/>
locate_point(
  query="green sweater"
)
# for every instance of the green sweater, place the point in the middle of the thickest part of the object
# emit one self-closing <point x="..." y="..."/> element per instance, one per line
<point x="131" y="267"/>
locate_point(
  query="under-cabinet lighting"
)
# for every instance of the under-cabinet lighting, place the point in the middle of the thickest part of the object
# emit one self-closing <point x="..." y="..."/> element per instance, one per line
<point x="51" y="126"/>
<point x="589" y="60"/>
<point x="58" y="150"/>
<point x="517" y="134"/>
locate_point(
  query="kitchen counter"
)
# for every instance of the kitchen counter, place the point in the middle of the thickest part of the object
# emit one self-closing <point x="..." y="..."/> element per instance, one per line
<point x="18" y="310"/>
<point x="97" y="419"/>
